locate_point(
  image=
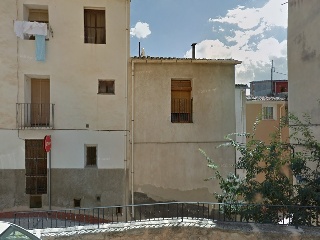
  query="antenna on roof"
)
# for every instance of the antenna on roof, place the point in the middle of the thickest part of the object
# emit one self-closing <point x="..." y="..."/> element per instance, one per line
<point x="139" y="50"/>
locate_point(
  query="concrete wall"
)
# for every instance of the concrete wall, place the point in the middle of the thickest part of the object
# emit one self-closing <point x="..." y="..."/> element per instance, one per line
<point x="304" y="60"/>
<point x="267" y="126"/>
<point x="71" y="179"/>
<point x="81" y="116"/>
<point x="240" y="108"/>
<point x="167" y="162"/>
<point x="93" y="187"/>
<point x="218" y="230"/>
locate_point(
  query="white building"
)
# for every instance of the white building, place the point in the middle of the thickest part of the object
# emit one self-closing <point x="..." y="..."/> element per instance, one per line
<point x="77" y="95"/>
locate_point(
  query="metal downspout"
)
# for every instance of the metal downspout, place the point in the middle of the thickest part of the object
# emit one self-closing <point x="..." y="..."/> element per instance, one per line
<point x="132" y="135"/>
<point x="126" y="109"/>
<point x="280" y="121"/>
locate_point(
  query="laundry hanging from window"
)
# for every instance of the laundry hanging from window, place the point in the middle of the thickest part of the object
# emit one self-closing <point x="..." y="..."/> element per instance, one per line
<point x="40" y="30"/>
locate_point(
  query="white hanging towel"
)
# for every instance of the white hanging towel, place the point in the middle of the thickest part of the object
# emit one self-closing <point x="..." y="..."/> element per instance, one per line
<point x="18" y="28"/>
<point x="30" y="28"/>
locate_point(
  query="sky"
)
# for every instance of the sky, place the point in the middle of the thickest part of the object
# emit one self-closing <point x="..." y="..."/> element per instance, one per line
<point x="252" y="31"/>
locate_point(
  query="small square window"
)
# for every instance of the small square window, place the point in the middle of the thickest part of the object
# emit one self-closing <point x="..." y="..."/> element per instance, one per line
<point x="35" y="201"/>
<point x="106" y="87"/>
<point x="77" y="203"/>
<point x="91" y="156"/>
<point x="267" y="113"/>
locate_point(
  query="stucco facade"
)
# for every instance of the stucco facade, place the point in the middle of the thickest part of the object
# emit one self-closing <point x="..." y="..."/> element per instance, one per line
<point x="304" y="60"/>
<point x="265" y="127"/>
<point x="79" y="116"/>
<point x="167" y="164"/>
<point x="240" y="108"/>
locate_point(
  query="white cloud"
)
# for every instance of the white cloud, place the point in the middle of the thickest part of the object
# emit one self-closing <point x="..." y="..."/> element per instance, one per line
<point x="272" y="14"/>
<point x="141" y="30"/>
<point x="252" y="61"/>
<point x="249" y="42"/>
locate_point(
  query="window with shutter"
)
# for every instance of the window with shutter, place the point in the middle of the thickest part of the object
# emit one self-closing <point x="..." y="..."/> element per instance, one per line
<point x="181" y="101"/>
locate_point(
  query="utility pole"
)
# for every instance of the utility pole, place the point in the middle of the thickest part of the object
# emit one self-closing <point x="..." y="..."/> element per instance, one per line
<point x="272" y="70"/>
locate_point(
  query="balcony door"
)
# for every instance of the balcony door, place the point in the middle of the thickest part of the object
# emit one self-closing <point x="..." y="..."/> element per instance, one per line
<point x="40" y="102"/>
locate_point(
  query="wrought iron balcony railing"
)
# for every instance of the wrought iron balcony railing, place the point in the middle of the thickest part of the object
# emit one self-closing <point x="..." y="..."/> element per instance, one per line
<point x="35" y="115"/>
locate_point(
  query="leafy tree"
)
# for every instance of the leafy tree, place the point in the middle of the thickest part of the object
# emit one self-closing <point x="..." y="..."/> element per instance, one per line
<point x="256" y="200"/>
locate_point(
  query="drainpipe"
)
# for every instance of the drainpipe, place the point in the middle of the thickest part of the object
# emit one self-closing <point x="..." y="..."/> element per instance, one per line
<point x="280" y="122"/>
<point x="132" y="135"/>
<point x="49" y="181"/>
<point x="193" y="45"/>
<point x="126" y="110"/>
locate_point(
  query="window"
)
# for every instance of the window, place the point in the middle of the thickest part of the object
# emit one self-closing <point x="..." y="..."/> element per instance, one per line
<point x="91" y="155"/>
<point x="94" y="26"/>
<point x="77" y="203"/>
<point x="35" y="201"/>
<point x="38" y="15"/>
<point x="181" y="101"/>
<point x="119" y="211"/>
<point x="106" y="87"/>
<point x="36" y="167"/>
<point x="267" y="113"/>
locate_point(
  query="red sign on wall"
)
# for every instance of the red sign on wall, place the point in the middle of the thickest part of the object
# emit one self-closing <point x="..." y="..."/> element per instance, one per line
<point x="47" y="143"/>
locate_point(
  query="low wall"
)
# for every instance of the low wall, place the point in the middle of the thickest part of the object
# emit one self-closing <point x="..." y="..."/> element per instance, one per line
<point x="189" y="229"/>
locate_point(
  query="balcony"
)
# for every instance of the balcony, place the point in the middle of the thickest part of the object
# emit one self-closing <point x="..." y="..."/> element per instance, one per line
<point x="35" y="115"/>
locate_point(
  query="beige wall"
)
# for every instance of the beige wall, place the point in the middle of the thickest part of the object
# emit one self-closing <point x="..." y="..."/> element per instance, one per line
<point x="304" y="59"/>
<point x="167" y="162"/>
<point x="266" y="127"/>
<point x="72" y="66"/>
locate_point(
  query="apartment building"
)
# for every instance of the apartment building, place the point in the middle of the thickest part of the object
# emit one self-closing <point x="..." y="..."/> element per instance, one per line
<point x="63" y="74"/>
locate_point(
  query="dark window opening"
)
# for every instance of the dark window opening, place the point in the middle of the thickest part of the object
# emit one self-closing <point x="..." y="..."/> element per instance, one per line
<point x="181" y="101"/>
<point x="106" y="86"/>
<point x="35" y="201"/>
<point x="77" y="203"/>
<point x="94" y="26"/>
<point x="119" y="210"/>
<point x="91" y="156"/>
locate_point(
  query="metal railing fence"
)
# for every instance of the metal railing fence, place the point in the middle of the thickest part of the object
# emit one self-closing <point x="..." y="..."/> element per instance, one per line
<point x="274" y="214"/>
<point x="35" y="115"/>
